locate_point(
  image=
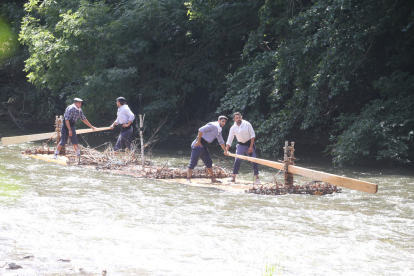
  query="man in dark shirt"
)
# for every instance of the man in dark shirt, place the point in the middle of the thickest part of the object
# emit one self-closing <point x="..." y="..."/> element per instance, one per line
<point x="72" y="114"/>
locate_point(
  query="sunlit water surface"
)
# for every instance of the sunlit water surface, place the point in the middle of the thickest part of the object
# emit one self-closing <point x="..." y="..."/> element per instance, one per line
<point x="130" y="226"/>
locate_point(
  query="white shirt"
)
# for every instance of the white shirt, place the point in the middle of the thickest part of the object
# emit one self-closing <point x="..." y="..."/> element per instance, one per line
<point x="243" y="133"/>
<point x="125" y="115"/>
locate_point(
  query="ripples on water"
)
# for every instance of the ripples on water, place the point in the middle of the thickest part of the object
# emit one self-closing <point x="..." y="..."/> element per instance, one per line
<point x="130" y="226"/>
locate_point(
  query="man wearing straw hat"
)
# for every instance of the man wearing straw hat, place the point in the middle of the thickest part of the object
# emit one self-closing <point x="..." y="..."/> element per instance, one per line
<point x="72" y="113"/>
<point x="125" y="118"/>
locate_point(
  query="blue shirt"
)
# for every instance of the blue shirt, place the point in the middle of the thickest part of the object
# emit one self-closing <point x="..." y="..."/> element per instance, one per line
<point x="72" y="113"/>
<point x="212" y="131"/>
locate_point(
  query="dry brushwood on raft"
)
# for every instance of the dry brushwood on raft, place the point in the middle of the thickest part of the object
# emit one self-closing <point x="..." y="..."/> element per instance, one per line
<point x="129" y="163"/>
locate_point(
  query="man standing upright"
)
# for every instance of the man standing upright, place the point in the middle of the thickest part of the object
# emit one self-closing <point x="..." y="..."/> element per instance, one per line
<point x="199" y="147"/>
<point x="72" y="113"/>
<point x="125" y="118"/>
<point x="245" y="135"/>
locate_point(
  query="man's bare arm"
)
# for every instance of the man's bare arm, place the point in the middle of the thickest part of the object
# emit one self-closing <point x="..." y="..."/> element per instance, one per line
<point x="251" y="145"/>
<point x="198" y="139"/>
<point x="88" y="124"/>
<point x="68" y="126"/>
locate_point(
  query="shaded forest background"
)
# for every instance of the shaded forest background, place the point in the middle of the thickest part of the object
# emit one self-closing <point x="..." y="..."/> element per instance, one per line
<point x="336" y="76"/>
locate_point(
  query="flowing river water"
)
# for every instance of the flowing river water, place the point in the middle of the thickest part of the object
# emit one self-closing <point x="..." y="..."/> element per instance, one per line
<point x="128" y="226"/>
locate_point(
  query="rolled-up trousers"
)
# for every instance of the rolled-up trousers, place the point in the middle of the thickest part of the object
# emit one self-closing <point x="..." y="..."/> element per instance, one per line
<point x="200" y="152"/>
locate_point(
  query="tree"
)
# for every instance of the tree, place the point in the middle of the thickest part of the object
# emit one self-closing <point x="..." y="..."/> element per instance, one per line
<point x="315" y="77"/>
<point x="21" y="102"/>
<point x="101" y="50"/>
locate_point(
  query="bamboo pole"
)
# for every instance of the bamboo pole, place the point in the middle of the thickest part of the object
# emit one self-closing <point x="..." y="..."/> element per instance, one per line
<point x="345" y="182"/>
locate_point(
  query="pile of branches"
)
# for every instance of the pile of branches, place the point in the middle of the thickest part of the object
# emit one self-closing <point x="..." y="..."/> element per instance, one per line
<point x="108" y="158"/>
<point x="312" y="188"/>
<point x="129" y="160"/>
<point x="168" y="173"/>
<point x="38" y="150"/>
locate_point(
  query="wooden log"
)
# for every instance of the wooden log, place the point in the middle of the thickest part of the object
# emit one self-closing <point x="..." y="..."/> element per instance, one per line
<point x="333" y="179"/>
<point x="42" y="136"/>
<point x="287" y="162"/>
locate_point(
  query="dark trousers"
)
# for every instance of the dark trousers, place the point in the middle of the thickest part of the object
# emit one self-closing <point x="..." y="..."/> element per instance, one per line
<point x="64" y="132"/>
<point x="124" y="140"/>
<point x="197" y="153"/>
<point x="244" y="150"/>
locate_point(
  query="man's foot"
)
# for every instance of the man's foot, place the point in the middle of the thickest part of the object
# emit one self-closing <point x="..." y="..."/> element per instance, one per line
<point x="233" y="179"/>
<point x="213" y="180"/>
<point x="188" y="180"/>
<point x="257" y="181"/>
<point x="55" y="156"/>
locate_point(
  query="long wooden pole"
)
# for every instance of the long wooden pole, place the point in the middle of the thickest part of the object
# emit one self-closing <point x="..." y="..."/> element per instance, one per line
<point x="141" y="135"/>
<point x="42" y="136"/>
<point x="345" y="182"/>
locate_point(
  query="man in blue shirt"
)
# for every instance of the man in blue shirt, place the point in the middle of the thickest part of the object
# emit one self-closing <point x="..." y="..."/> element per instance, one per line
<point x="72" y="114"/>
<point x="125" y="118"/>
<point x="199" y="147"/>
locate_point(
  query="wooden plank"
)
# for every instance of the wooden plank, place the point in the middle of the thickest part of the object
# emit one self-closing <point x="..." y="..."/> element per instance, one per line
<point x="41" y="136"/>
<point x="333" y="179"/>
<point x="273" y="164"/>
<point x="61" y="160"/>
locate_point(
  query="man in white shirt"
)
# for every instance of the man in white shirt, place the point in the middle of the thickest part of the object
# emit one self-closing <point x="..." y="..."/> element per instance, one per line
<point x="245" y="136"/>
<point x="125" y="118"/>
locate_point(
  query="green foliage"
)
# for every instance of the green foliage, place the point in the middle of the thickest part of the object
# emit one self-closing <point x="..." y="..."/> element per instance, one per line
<point x="8" y="41"/>
<point x="19" y="98"/>
<point x="322" y="59"/>
<point x="384" y="129"/>
<point x="327" y="72"/>
<point x="100" y="51"/>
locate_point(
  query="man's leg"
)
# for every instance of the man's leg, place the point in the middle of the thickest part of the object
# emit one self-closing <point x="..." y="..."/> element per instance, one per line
<point x="77" y="151"/>
<point x="75" y="142"/>
<point x="64" y="133"/>
<point x="189" y="174"/>
<point x="195" y="155"/>
<point x="118" y="144"/>
<point x="205" y="156"/>
<point x="124" y="140"/>
<point x="213" y="179"/>
<point x="255" y="166"/>
<point x="129" y="141"/>
<point x="236" y="167"/>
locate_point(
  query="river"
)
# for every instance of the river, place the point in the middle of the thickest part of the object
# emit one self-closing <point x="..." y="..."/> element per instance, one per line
<point x="128" y="226"/>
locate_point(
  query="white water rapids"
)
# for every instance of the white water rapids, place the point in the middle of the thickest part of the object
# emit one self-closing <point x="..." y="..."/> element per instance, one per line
<point x="127" y="226"/>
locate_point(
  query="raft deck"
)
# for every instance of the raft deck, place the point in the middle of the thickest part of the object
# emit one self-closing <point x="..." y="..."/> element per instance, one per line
<point x="226" y="184"/>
